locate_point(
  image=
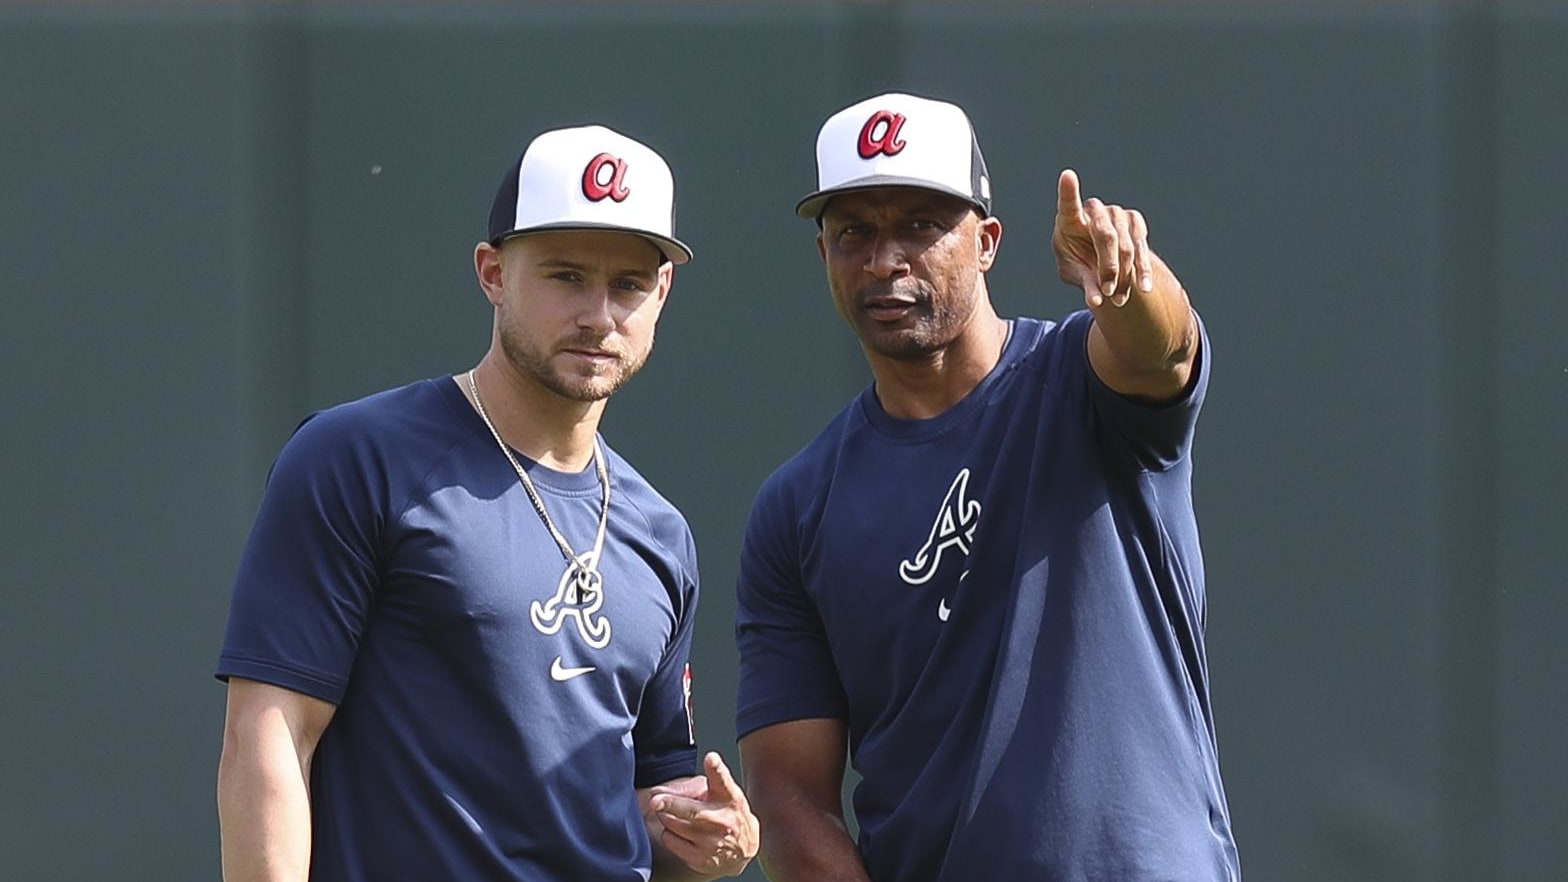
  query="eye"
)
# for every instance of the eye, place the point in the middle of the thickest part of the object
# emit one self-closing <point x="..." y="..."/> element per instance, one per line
<point x="631" y="285"/>
<point x="567" y="276"/>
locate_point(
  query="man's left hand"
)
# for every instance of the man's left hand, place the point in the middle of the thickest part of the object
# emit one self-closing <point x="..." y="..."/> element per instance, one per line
<point x="706" y="821"/>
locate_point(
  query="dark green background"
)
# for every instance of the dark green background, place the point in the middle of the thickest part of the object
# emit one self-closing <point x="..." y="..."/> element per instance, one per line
<point x="214" y="218"/>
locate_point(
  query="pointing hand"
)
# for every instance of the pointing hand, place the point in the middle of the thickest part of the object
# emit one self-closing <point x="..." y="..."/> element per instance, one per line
<point x="1103" y="249"/>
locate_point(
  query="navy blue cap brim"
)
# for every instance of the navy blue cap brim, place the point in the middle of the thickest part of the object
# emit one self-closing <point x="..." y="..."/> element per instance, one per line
<point x="674" y="250"/>
<point x="811" y="206"/>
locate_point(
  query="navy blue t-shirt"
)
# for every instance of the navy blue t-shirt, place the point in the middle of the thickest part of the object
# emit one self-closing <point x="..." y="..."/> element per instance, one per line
<point x="398" y="570"/>
<point x="1005" y="603"/>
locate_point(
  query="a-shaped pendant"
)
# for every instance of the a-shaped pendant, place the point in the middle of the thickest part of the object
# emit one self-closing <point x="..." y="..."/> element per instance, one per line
<point x="578" y="595"/>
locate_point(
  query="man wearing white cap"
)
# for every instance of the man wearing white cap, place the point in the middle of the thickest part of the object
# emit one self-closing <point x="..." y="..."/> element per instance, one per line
<point x="459" y="637"/>
<point x="981" y="584"/>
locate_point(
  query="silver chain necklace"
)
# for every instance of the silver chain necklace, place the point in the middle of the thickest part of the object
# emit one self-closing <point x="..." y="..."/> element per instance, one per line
<point x="582" y="570"/>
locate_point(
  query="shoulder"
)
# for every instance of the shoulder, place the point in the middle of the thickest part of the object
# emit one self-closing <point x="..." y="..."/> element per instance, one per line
<point x="810" y="469"/>
<point x="1051" y="358"/>
<point x="389" y="437"/>
<point x="423" y="409"/>
<point x="1053" y="346"/>
<point x="797" y="487"/>
<point x="660" y="517"/>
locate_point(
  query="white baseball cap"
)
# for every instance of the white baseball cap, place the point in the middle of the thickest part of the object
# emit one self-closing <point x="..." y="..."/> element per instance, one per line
<point x="898" y="140"/>
<point x="589" y="178"/>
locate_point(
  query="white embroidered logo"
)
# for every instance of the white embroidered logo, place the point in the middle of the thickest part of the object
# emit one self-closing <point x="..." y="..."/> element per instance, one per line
<point x="954" y="527"/>
<point x="578" y="595"/>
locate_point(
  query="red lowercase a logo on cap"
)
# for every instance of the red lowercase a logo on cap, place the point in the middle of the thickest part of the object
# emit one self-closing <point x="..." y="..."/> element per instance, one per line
<point x="887" y="143"/>
<point x="595" y="185"/>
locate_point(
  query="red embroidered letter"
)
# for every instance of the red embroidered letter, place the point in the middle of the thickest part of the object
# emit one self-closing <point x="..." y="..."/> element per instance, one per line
<point x="596" y="188"/>
<point x="886" y="143"/>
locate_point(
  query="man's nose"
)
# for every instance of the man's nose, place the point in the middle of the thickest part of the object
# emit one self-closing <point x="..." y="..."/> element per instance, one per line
<point x="888" y="257"/>
<point x="597" y="314"/>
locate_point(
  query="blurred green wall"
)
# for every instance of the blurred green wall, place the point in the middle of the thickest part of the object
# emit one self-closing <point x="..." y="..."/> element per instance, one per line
<point x="214" y="218"/>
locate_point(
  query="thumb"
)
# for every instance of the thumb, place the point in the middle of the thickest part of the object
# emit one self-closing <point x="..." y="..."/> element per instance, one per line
<point x="721" y="784"/>
<point x="1094" y="290"/>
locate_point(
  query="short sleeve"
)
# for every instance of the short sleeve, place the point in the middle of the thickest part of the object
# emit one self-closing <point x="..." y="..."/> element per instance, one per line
<point x="786" y="664"/>
<point x="665" y="736"/>
<point x="306" y="580"/>
<point x="1158" y="434"/>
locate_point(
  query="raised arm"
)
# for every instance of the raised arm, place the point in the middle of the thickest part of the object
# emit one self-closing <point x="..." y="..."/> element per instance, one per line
<point x="269" y="736"/>
<point x="1145" y="335"/>
<point x="795" y="772"/>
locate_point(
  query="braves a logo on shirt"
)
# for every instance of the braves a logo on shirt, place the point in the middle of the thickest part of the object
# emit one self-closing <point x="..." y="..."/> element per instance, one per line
<point x="954" y="528"/>
<point x="603" y="179"/>
<point x="578" y="597"/>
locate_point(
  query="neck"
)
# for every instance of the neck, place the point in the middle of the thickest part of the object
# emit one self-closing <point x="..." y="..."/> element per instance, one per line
<point x="553" y="431"/>
<point x="926" y="387"/>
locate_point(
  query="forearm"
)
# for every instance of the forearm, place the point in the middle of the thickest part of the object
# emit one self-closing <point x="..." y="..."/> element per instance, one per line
<point x="803" y="844"/>
<point x="1146" y="346"/>
<point x="1152" y="330"/>
<point x="263" y="810"/>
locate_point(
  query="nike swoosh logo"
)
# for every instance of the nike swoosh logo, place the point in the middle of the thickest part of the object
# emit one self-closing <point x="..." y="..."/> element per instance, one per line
<point x="942" y="611"/>
<point x="560" y="673"/>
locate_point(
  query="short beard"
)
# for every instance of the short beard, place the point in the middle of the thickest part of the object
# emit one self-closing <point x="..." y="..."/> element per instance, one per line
<point x="933" y="329"/>
<point x="574" y="388"/>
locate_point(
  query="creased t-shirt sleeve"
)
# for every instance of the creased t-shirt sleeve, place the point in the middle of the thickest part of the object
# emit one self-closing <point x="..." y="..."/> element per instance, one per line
<point x="787" y="670"/>
<point x="306" y="580"/>
<point x="665" y="737"/>
<point x="1159" y="434"/>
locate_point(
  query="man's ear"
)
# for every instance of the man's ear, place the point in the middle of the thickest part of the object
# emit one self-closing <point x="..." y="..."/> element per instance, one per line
<point x="487" y="266"/>
<point x="989" y="231"/>
<point x="666" y="279"/>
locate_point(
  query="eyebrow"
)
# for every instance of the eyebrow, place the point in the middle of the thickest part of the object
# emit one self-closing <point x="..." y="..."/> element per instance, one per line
<point x="560" y="263"/>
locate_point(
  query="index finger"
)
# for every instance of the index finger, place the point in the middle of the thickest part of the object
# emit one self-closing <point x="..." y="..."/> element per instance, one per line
<point x="691" y="787"/>
<point x="679" y="808"/>
<point x="1069" y="200"/>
